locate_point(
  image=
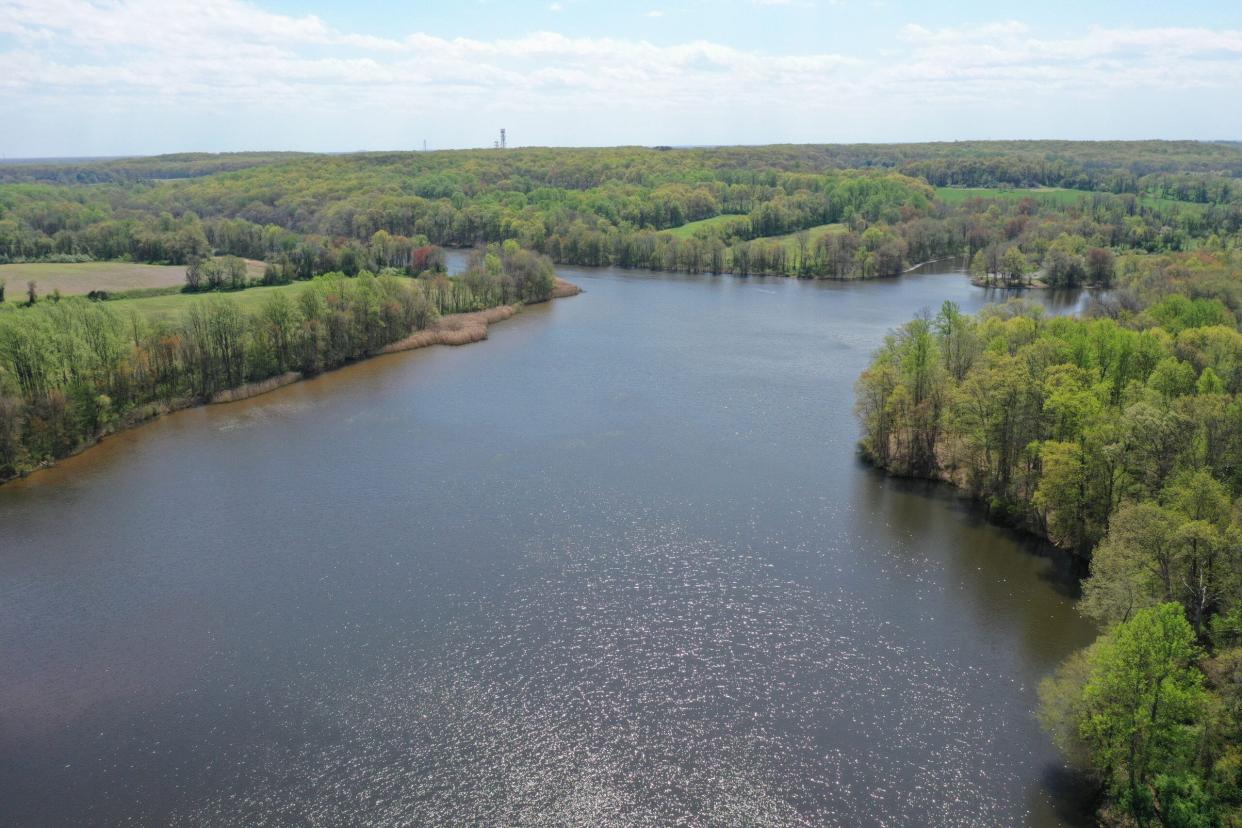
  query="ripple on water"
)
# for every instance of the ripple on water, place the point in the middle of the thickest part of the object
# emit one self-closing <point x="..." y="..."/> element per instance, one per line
<point x="639" y="676"/>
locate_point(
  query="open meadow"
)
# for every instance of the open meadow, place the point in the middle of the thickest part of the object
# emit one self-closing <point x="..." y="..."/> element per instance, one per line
<point x="170" y="306"/>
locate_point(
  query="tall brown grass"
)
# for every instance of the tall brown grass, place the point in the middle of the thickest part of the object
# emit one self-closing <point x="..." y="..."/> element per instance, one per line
<point x="458" y="329"/>
<point x="254" y="389"/>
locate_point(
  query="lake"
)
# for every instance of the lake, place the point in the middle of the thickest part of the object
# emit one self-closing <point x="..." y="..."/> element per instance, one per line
<point x="617" y="565"/>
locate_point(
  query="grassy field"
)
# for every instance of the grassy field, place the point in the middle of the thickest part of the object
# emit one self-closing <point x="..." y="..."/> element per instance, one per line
<point x="687" y="230"/>
<point x="171" y="306"/>
<point x="791" y="241"/>
<point x="1058" y="195"/>
<point x="82" y="278"/>
<point x="1156" y="201"/>
<point x="72" y="279"/>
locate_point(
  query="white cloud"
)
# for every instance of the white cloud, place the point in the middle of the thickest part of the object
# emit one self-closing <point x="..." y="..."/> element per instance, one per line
<point x="192" y="54"/>
<point x="1006" y="58"/>
<point x="228" y="49"/>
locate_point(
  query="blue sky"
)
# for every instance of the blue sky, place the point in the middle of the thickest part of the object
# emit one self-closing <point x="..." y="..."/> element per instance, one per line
<point x="102" y="77"/>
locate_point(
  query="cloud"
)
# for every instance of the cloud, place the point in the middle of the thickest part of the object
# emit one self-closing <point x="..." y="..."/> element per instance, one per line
<point x="230" y="50"/>
<point x="186" y="56"/>
<point x="1006" y="58"/>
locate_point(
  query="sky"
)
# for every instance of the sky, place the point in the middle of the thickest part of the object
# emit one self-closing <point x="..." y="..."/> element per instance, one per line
<point x="128" y="77"/>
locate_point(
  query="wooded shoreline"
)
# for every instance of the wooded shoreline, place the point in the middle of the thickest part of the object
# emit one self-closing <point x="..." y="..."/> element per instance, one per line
<point x="451" y="330"/>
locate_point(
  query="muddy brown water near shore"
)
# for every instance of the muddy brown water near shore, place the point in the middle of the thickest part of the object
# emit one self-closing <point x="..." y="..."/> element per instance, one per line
<point x="617" y="565"/>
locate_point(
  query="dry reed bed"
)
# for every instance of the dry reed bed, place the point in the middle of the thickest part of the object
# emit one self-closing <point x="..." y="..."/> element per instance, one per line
<point x="254" y="389"/>
<point x="457" y="329"/>
<point x="464" y="328"/>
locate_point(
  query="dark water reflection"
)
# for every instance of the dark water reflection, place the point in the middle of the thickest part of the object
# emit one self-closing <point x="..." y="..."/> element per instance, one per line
<point x="618" y="565"/>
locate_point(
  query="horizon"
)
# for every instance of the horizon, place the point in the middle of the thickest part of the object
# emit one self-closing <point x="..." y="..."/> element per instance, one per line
<point x="416" y="150"/>
<point x="87" y="79"/>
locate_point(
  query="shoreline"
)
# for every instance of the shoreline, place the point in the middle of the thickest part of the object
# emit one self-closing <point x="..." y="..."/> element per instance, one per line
<point x="728" y="272"/>
<point x="955" y="484"/>
<point x="452" y="330"/>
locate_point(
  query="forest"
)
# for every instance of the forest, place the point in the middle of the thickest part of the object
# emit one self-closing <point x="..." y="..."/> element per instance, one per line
<point x="811" y="211"/>
<point x="74" y="369"/>
<point x="1117" y="436"/>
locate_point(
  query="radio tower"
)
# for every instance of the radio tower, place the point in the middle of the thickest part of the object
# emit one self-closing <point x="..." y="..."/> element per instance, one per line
<point x="502" y="137"/>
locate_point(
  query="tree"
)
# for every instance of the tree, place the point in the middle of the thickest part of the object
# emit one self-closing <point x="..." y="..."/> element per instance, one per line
<point x="1207" y="552"/>
<point x="1062" y="708"/>
<point x="1062" y="493"/>
<point x="1133" y="567"/>
<point x="1173" y="378"/>
<point x="979" y="268"/>
<point x="279" y="320"/>
<point x="1100" y="266"/>
<point x="194" y="274"/>
<point x="32" y="292"/>
<point x="1014" y="265"/>
<point x="959" y="343"/>
<point x="234" y="273"/>
<point x="803" y="239"/>
<point x="1142" y="711"/>
<point x="873" y="403"/>
<point x="1063" y="268"/>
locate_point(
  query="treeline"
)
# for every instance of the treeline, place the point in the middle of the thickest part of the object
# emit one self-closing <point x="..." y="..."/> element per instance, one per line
<point x="308" y="214"/>
<point x="1109" y="166"/>
<point x="143" y="168"/>
<point x="70" y="370"/>
<point x="324" y="207"/>
<point x="1118" y="436"/>
<point x="73" y="369"/>
<point x="1063" y="243"/>
<point x="42" y="225"/>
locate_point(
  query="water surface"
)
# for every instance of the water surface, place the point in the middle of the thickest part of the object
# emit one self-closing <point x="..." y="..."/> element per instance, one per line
<point x="617" y="565"/>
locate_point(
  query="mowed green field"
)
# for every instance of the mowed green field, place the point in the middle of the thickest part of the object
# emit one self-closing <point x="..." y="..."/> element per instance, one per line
<point x="82" y="278"/>
<point x="686" y="231"/>
<point x="171" y="307"/>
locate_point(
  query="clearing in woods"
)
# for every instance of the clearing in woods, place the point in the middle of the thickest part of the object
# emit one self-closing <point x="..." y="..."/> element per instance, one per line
<point x="83" y="277"/>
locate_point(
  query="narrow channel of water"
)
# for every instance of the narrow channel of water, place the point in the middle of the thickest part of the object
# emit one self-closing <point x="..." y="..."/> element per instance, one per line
<point x="617" y="565"/>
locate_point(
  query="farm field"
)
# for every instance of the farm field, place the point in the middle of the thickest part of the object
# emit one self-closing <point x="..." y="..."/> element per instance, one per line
<point x="83" y="277"/>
